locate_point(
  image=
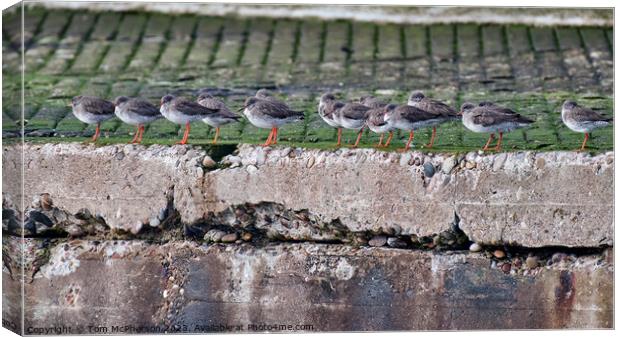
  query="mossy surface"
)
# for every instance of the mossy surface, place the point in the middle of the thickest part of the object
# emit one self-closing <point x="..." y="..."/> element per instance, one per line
<point x="531" y="70"/>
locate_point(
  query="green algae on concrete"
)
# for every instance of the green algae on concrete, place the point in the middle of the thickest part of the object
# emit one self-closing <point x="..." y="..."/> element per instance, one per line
<point x="529" y="69"/>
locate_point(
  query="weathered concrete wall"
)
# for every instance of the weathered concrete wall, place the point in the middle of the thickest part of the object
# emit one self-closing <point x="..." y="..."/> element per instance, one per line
<point x="565" y="197"/>
<point x="329" y="287"/>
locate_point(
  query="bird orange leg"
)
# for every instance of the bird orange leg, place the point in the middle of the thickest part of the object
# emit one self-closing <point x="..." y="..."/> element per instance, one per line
<point x="141" y="129"/>
<point x="486" y="146"/>
<point x="274" y="140"/>
<point x="339" y="136"/>
<point x="430" y="144"/>
<point x="585" y="140"/>
<point x="185" y="135"/>
<point x="217" y="133"/>
<point x="268" y="141"/>
<point x="408" y="142"/>
<point x="96" y="135"/>
<point x="359" y="136"/>
<point x="499" y="142"/>
<point x="387" y="142"/>
<point x="135" y="137"/>
<point x="380" y="141"/>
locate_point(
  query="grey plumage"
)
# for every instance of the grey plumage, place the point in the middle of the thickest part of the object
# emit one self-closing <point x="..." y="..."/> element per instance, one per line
<point x="214" y="103"/>
<point x="93" y="105"/>
<point x="137" y="106"/>
<point x="442" y="110"/>
<point x="273" y="109"/>
<point x="372" y="102"/>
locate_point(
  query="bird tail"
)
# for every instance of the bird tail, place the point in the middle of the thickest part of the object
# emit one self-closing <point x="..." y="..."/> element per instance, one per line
<point x="524" y="120"/>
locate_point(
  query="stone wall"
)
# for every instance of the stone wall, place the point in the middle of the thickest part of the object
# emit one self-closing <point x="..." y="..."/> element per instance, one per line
<point x="168" y="239"/>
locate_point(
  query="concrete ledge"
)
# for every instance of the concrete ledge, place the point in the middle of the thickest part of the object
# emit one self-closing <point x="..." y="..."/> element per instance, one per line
<point x="564" y="197"/>
<point x="328" y="287"/>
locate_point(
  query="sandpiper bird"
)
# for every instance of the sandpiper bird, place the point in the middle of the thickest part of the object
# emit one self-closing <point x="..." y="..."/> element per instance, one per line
<point x="492" y="118"/>
<point x="219" y="118"/>
<point x="581" y="119"/>
<point x="181" y="111"/>
<point x="266" y="95"/>
<point x="372" y="102"/>
<point x="92" y="110"/>
<point x="410" y="118"/>
<point x="327" y="106"/>
<point x="352" y="116"/>
<point x="375" y="120"/>
<point x="270" y="114"/>
<point x="136" y="111"/>
<point x="444" y="112"/>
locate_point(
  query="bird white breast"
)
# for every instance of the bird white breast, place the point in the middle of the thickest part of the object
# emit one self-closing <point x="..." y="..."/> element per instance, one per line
<point x="499" y="127"/>
<point x="89" y="118"/>
<point x="264" y="121"/>
<point x="330" y="121"/>
<point x="132" y="118"/>
<point x="216" y="120"/>
<point x="174" y="115"/>
<point x="348" y="123"/>
<point x="381" y="129"/>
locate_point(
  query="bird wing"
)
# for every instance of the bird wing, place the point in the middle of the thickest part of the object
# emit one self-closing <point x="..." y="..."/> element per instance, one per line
<point x="375" y="117"/>
<point x="354" y="111"/>
<point x="437" y="107"/>
<point x="192" y="108"/>
<point x="98" y="106"/>
<point x="211" y="103"/>
<point x="487" y="116"/>
<point x="330" y="108"/>
<point x="143" y="107"/>
<point x="583" y="114"/>
<point x="413" y="114"/>
<point x="276" y="109"/>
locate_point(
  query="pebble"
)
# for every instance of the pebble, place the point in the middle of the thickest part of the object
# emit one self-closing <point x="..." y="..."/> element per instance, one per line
<point x="165" y="293"/>
<point x="378" y="241"/>
<point x="261" y="157"/>
<point x="531" y="262"/>
<point x="499" y="254"/>
<point x="162" y="214"/>
<point x="247" y="236"/>
<point x="234" y="159"/>
<point x="310" y="162"/>
<point x="396" y="243"/>
<point x="154" y="222"/>
<point x="506" y="268"/>
<point x="540" y="163"/>
<point x="429" y="170"/>
<point x="251" y="169"/>
<point x="475" y="247"/>
<point x="46" y="201"/>
<point x="500" y="159"/>
<point x="120" y="155"/>
<point x="214" y="235"/>
<point x="448" y="164"/>
<point x="558" y="257"/>
<point x="404" y="159"/>
<point x="229" y="238"/>
<point x="208" y="162"/>
<point x="470" y="165"/>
